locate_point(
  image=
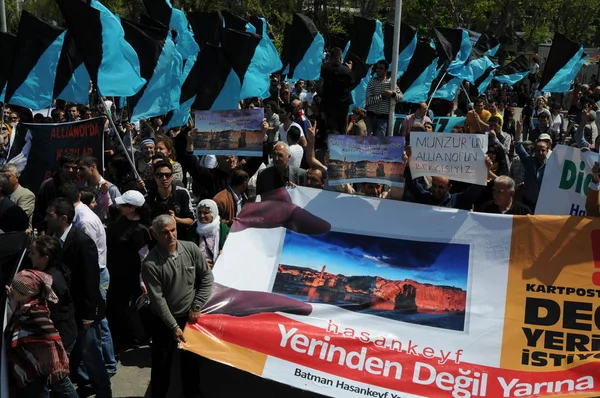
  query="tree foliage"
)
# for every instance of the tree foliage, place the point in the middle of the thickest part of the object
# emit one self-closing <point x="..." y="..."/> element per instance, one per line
<point x="529" y="21"/>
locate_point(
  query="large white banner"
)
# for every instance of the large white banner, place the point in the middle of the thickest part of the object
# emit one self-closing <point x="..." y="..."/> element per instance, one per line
<point x="566" y="179"/>
<point x="350" y="296"/>
<point x="459" y="157"/>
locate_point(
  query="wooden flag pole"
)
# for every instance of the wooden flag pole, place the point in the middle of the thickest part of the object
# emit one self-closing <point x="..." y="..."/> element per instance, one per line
<point x="395" y="47"/>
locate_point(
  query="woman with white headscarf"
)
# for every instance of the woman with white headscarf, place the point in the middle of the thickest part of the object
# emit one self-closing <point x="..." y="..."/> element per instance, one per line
<point x="211" y="232"/>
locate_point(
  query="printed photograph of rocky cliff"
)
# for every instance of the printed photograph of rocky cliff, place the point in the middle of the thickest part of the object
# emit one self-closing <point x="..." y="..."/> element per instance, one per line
<point x="235" y="132"/>
<point x="424" y="283"/>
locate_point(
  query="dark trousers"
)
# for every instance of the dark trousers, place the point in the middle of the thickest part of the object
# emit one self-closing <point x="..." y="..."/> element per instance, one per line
<point x="337" y="118"/>
<point x="163" y="348"/>
<point x="126" y="324"/>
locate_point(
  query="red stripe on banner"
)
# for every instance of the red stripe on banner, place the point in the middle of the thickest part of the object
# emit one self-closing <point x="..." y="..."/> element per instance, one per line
<point x="409" y="367"/>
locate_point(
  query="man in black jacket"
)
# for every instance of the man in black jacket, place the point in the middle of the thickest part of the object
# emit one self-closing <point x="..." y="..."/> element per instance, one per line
<point x="80" y="256"/>
<point x="338" y="83"/>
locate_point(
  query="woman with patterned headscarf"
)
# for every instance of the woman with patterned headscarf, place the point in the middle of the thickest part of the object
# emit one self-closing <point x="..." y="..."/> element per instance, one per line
<point x="36" y="353"/>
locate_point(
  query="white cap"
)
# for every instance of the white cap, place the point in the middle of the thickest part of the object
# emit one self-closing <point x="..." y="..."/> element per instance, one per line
<point x="544" y="137"/>
<point x="133" y="198"/>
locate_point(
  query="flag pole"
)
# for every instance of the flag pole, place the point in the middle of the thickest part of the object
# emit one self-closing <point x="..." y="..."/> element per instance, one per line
<point x="3" y="17"/>
<point x="118" y="135"/>
<point x="436" y="88"/>
<point x="395" y="48"/>
<point x="466" y="93"/>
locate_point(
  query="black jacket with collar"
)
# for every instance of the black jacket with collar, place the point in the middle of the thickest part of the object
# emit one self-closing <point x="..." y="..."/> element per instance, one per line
<point x="80" y="256"/>
<point x="12" y="217"/>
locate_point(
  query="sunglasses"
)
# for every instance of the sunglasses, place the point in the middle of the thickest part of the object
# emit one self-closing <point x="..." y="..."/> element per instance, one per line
<point x="163" y="175"/>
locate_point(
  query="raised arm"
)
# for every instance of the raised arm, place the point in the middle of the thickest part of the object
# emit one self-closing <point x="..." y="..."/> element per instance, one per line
<point x="309" y="153"/>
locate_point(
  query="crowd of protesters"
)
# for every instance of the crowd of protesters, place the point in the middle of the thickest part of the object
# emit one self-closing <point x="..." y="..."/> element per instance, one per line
<point x="122" y="256"/>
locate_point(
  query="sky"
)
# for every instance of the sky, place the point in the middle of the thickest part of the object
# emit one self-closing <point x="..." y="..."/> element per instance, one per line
<point x="394" y="259"/>
<point x="393" y="155"/>
<point x="238" y="119"/>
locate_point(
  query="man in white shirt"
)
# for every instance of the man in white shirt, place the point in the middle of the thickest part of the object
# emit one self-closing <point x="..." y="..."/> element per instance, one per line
<point x="297" y="152"/>
<point x="286" y="116"/>
<point x="88" y="222"/>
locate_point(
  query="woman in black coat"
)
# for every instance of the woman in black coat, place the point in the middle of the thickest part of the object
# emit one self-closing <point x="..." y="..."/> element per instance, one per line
<point x="46" y="256"/>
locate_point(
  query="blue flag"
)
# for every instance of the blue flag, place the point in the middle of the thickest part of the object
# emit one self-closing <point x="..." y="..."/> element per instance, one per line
<point x="181" y="115"/>
<point x="376" y="49"/>
<point x="165" y="13"/>
<point x="416" y="81"/>
<point x="563" y="63"/>
<point x="72" y="82"/>
<point x="302" y="53"/>
<point x="265" y="49"/>
<point x="484" y="80"/>
<point x="112" y="63"/>
<point x="449" y="90"/>
<point x="513" y="72"/>
<point x="455" y="48"/>
<point x="39" y="45"/>
<point x="161" y="66"/>
<point x="364" y="50"/>
<point x="408" y="44"/>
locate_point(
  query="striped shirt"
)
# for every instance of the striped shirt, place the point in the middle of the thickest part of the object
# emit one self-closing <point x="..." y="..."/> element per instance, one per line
<point x="374" y="99"/>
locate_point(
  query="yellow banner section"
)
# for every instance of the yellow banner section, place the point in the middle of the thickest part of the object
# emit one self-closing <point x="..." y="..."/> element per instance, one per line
<point x="552" y="319"/>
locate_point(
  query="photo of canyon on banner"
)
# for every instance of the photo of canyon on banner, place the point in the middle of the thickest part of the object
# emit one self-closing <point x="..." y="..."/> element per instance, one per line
<point x="387" y="306"/>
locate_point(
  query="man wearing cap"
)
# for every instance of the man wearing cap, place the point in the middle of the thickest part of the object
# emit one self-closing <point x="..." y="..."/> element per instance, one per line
<point x="547" y="139"/>
<point x="543" y="126"/>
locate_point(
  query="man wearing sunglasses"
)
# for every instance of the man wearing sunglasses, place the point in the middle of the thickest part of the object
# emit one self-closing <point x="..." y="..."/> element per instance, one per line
<point x="168" y="198"/>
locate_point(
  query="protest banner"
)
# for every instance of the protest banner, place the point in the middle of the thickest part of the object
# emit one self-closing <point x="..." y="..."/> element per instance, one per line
<point x="235" y="132"/>
<point x="459" y="157"/>
<point x="377" y="160"/>
<point x="566" y="179"/>
<point x="385" y="305"/>
<point x="441" y="124"/>
<point x="42" y="145"/>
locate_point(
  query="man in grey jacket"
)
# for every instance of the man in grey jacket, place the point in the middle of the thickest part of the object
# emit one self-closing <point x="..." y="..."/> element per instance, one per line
<point x="179" y="283"/>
